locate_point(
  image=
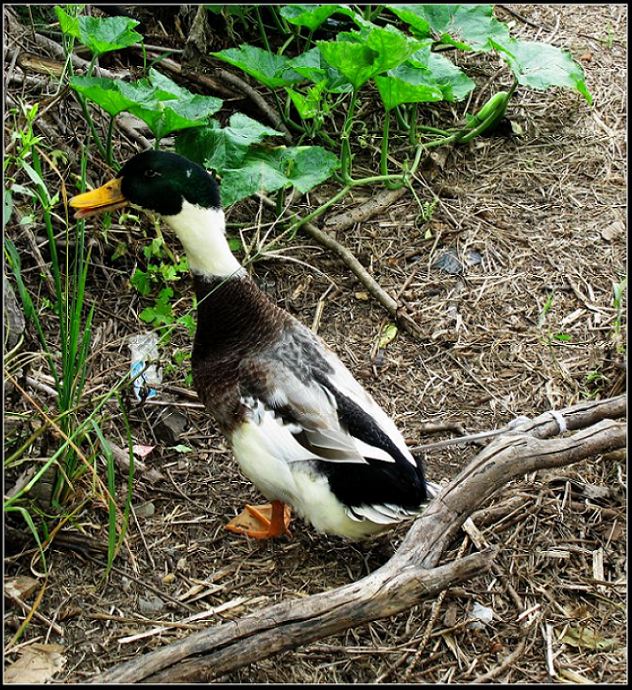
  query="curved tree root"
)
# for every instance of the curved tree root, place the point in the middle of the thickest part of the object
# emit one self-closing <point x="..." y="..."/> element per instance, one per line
<point x="411" y="575"/>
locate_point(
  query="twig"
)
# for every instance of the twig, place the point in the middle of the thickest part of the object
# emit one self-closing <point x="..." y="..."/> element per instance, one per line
<point x="258" y="100"/>
<point x="495" y="672"/>
<point x="471" y="438"/>
<point x="204" y="79"/>
<point x="26" y="608"/>
<point x="411" y="575"/>
<point x="376" y="204"/>
<point x="372" y="286"/>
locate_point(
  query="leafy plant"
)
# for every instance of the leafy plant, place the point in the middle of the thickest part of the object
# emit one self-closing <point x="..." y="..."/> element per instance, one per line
<point x="247" y="166"/>
<point x="402" y="66"/>
<point x="162" y="271"/>
<point x="99" y="35"/>
<point x="159" y="102"/>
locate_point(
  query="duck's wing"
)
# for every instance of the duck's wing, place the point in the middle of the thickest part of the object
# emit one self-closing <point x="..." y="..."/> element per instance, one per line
<point x="322" y="413"/>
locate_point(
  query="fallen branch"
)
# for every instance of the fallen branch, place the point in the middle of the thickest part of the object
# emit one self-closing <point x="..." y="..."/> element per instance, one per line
<point x="258" y="100"/>
<point x="373" y="287"/>
<point x="411" y="575"/>
<point x="358" y="214"/>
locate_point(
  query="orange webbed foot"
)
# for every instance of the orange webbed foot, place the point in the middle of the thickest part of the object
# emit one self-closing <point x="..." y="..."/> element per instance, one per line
<point x="262" y="522"/>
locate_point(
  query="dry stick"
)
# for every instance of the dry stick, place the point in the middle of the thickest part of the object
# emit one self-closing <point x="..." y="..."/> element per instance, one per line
<point x="490" y="675"/>
<point x="358" y="214"/>
<point x="412" y="573"/>
<point x="372" y="286"/>
<point x="326" y="614"/>
<point x="204" y="79"/>
<point x="259" y="100"/>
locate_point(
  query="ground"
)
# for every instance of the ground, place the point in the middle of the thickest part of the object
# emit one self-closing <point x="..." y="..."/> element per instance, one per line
<point x="545" y="212"/>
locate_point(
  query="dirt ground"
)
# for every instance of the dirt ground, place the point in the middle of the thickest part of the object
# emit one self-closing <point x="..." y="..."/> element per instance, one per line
<point x="546" y="213"/>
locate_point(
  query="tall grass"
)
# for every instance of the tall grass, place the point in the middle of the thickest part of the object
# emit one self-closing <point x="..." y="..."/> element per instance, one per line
<point x="72" y="421"/>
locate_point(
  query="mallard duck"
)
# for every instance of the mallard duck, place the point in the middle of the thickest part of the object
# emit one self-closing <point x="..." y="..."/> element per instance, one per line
<point x="301" y="427"/>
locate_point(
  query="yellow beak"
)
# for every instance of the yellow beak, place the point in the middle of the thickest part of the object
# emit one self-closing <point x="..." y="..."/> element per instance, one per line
<point x="108" y="197"/>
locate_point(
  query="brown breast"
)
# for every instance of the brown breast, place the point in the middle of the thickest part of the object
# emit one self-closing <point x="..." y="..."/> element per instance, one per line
<point x="235" y="320"/>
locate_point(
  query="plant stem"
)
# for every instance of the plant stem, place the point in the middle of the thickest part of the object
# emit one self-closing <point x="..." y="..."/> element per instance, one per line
<point x="93" y="129"/>
<point x="434" y="130"/>
<point x="412" y="134"/>
<point x="109" y="150"/>
<point x="345" y="150"/>
<point x="262" y="30"/>
<point x="384" y="145"/>
<point x="401" y="120"/>
<point x="320" y="210"/>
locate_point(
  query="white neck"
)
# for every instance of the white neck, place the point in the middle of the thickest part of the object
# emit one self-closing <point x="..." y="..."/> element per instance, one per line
<point x="202" y="232"/>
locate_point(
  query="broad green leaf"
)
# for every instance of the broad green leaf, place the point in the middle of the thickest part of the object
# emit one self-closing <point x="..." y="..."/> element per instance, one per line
<point x="106" y="93"/>
<point x="225" y="148"/>
<point x="412" y="15"/>
<point x="454" y="83"/>
<point x="311" y="65"/>
<point x="407" y="84"/>
<point x="141" y="281"/>
<point x="308" y="166"/>
<point x="267" y="170"/>
<point x="360" y="56"/>
<point x="468" y="27"/>
<point x="166" y="107"/>
<point x="253" y="176"/>
<point x="312" y="16"/>
<point x="540" y="66"/>
<point x="159" y="102"/>
<point x="100" y="35"/>
<point x="269" y="69"/>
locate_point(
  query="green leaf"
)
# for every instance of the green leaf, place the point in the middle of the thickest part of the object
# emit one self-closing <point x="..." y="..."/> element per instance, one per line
<point x="266" y="67"/>
<point x="562" y="337"/>
<point x="309" y="104"/>
<point x="100" y="35"/>
<point x="105" y="93"/>
<point x="159" y="102"/>
<point x="362" y="55"/>
<point x="166" y="107"/>
<point x="220" y="149"/>
<point x="311" y="65"/>
<point x="407" y="84"/>
<point x="180" y="448"/>
<point x="413" y="15"/>
<point x="468" y="27"/>
<point x="312" y="16"/>
<point x="7" y="207"/>
<point x="141" y="281"/>
<point x="267" y="170"/>
<point x="540" y="66"/>
<point x="455" y="85"/>
<point x="389" y="332"/>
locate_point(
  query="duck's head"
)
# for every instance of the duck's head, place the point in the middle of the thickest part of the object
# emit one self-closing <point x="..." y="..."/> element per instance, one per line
<point x="157" y="181"/>
<point x="182" y="192"/>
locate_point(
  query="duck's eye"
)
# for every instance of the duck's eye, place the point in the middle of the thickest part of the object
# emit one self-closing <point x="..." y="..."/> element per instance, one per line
<point x="151" y="173"/>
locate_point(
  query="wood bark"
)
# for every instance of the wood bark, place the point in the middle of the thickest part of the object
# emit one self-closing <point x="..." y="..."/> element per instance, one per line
<point x="410" y="576"/>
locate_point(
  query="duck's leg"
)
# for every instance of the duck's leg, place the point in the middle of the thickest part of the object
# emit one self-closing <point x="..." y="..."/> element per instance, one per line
<point x="262" y="522"/>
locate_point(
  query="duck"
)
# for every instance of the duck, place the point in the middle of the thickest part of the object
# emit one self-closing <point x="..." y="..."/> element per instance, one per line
<point x="302" y="428"/>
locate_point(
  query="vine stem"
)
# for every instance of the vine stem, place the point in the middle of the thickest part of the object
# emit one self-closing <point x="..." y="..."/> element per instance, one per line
<point x="345" y="151"/>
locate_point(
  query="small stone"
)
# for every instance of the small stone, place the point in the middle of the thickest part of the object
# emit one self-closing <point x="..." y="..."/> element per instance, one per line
<point x="170" y="427"/>
<point x="150" y="604"/>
